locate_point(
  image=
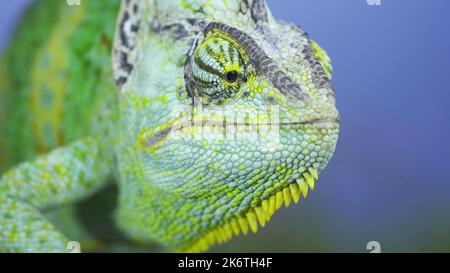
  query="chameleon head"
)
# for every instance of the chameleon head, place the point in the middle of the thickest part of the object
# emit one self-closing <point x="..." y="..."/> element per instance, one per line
<point x="221" y="125"/>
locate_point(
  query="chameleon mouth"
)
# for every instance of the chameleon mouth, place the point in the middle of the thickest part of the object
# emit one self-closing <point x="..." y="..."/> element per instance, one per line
<point x="151" y="139"/>
<point x="257" y="216"/>
<point x="322" y="124"/>
<point x="321" y="121"/>
<point x="316" y="120"/>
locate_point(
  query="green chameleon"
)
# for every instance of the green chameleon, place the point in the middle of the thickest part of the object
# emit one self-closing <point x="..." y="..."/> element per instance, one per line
<point x="184" y="121"/>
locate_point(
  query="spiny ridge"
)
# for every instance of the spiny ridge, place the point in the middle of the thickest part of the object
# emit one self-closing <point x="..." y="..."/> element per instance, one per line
<point x="258" y="215"/>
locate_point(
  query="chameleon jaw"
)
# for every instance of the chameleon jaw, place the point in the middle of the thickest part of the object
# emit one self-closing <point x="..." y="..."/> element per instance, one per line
<point x="255" y="216"/>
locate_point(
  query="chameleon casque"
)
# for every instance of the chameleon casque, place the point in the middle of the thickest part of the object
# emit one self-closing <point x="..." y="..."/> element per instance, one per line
<point x="204" y="116"/>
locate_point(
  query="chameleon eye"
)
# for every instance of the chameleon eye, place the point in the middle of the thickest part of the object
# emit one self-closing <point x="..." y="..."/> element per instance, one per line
<point x="217" y="69"/>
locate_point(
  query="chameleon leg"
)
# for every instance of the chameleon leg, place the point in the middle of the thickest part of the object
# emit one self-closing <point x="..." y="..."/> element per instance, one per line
<point x="64" y="175"/>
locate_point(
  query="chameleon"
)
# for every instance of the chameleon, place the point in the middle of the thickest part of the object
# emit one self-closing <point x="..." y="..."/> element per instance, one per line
<point x="186" y="122"/>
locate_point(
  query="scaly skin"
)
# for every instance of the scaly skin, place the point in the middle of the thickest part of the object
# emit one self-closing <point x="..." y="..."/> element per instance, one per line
<point x="220" y="114"/>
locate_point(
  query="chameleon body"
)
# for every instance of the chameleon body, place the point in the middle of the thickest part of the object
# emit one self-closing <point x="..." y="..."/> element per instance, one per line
<point x="208" y="115"/>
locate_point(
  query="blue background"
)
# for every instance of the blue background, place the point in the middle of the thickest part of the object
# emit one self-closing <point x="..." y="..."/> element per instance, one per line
<point x="389" y="179"/>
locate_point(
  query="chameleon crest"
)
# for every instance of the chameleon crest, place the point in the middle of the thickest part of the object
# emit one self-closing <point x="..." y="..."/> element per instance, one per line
<point x="220" y="115"/>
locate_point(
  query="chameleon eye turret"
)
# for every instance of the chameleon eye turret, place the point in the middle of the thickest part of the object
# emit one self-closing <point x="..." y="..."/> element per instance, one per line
<point x="218" y="69"/>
